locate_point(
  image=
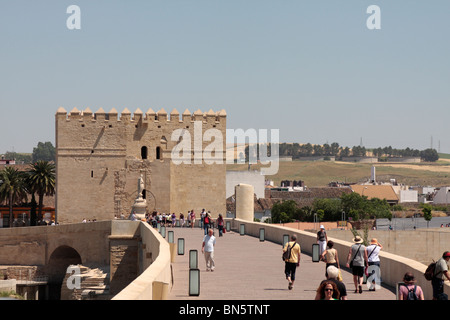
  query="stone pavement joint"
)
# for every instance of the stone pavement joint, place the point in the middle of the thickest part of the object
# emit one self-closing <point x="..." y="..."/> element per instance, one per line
<point x="248" y="269"/>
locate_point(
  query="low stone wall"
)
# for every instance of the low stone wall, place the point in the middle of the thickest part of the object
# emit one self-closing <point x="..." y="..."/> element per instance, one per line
<point x="393" y="267"/>
<point x="154" y="263"/>
<point x="422" y="245"/>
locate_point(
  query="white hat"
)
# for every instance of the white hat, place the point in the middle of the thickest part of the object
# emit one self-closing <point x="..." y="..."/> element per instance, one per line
<point x="322" y="227"/>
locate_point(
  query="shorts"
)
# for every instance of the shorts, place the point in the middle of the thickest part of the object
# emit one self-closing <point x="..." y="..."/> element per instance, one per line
<point x="358" y="271"/>
<point x="289" y="270"/>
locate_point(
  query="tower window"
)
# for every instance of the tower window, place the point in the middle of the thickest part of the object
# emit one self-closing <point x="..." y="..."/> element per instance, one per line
<point x="158" y="153"/>
<point x="144" y="153"/>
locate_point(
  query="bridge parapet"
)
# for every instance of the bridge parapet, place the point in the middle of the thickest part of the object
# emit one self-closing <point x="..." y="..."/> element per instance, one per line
<point x="154" y="259"/>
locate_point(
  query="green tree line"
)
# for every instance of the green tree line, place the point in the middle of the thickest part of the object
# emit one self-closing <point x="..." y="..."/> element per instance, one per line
<point x="296" y="151"/>
<point x="353" y="205"/>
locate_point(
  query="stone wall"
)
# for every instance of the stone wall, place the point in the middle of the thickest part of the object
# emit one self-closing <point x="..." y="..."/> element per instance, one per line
<point x="100" y="157"/>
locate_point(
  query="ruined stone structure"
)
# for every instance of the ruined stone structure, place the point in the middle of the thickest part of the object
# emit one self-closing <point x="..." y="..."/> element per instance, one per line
<point x="100" y="157"/>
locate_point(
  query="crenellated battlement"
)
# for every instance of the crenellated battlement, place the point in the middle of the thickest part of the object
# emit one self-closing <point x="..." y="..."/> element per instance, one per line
<point x="100" y="155"/>
<point x="150" y="116"/>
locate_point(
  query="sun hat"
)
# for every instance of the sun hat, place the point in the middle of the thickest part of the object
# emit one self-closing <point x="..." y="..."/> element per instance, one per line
<point x="321" y="226"/>
<point x="357" y="239"/>
<point x="374" y="241"/>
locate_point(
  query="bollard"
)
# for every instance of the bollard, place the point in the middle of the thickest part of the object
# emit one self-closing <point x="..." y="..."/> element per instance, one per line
<point x="261" y="234"/>
<point x="285" y="239"/>
<point x="242" y="230"/>
<point x="193" y="259"/>
<point x="228" y="227"/>
<point x="171" y="235"/>
<point x="315" y="252"/>
<point x="181" y="246"/>
<point x="194" y="282"/>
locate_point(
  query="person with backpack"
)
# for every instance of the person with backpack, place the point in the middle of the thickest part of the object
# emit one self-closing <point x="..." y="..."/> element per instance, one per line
<point x="440" y="275"/>
<point x="409" y="290"/>
<point x="207" y="222"/>
<point x="291" y="257"/>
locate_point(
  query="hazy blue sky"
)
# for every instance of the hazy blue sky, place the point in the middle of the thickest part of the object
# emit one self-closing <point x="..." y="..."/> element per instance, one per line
<point x="309" y="68"/>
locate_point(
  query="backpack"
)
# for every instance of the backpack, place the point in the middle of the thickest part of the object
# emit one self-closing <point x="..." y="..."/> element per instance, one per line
<point x="287" y="253"/>
<point x="206" y="220"/>
<point x="412" y="294"/>
<point x="429" y="272"/>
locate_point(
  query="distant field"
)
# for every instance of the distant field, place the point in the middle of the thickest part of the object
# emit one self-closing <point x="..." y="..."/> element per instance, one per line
<point x="320" y="173"/>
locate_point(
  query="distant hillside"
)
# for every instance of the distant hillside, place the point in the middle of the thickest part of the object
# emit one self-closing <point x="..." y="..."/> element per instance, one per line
<point x="320" y="173"/>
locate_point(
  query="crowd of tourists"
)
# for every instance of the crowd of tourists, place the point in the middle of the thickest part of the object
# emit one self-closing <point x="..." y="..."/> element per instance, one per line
<point x="205" y="220"/>
<point x="364" y="263"/>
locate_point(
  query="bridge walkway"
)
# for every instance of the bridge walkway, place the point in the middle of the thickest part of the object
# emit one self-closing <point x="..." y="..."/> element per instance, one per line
<point x="248" y="269"/>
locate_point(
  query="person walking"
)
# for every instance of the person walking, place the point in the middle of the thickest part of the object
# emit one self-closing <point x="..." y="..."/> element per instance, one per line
<point x="373" y="250"/>
<point x="220" y="224"/>
<point x="333" y="274"/>
<point x="330" y="257"/>
<point x="328" y="291"/>
<point x="206" y="222"/>
<point x="202" y="218"/>
<point x="441" y="274"/>
<point x="192" y="218"/>
<point x="209" y="241"/>
<point x="174" y="219"/>
<point x="181" y="219"/>
<point x="357" y="260"/>
<point x="293" y="261"/>
<point x="409" y="290"/>
<point x="322" y="239"/>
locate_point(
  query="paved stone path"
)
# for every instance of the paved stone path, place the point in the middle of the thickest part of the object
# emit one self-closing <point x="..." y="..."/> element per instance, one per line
<point x="248" y="269"/>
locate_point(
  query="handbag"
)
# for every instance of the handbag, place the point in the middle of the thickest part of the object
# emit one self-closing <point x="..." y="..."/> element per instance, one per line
<point x="339" y="277"/>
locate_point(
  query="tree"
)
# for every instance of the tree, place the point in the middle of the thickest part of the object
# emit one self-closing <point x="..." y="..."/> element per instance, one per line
<point x="430" y="155"/>
<point x="427" y="215"/>
<point x="41" y="179"/>
<point x="12" y="189"/>
<point x="331" y="208"/>
<point x="44" y="151"/>
<point x="285" y="211"/>
<point x="354" y="205"/>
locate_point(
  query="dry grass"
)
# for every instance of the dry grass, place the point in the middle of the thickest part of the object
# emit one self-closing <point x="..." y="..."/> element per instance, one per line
<point x="320" y="173"/>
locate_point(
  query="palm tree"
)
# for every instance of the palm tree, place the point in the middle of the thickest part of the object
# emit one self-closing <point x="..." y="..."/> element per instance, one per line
<point x="12" y="188"/>
<point x="41" y="179"/>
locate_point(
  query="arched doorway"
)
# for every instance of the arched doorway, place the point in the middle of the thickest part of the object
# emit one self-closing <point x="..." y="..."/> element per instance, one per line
<point x="56" y="268"/>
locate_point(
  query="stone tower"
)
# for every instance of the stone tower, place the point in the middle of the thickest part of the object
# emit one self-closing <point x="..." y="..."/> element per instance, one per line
<point x="100" y="156"/>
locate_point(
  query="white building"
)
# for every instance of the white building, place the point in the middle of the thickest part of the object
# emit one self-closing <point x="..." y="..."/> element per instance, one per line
<point x="442" y="196"/>
<point x="254" y="178"/>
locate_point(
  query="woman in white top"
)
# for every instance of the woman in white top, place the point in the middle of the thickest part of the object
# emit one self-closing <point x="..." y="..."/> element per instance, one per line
<point x="373" y="251"/>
